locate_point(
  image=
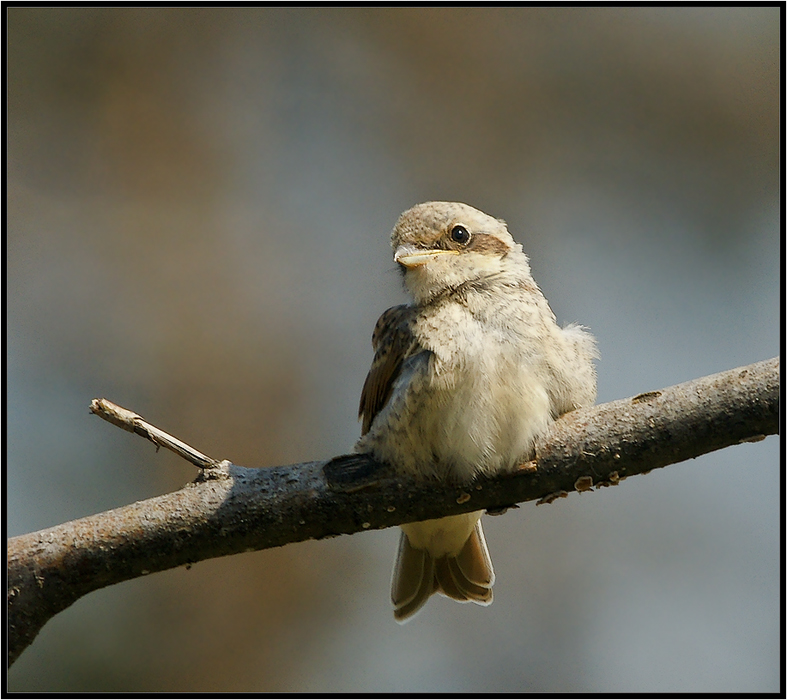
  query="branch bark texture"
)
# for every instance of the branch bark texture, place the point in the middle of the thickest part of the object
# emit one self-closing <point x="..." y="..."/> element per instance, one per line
<point x="230" y="509"/>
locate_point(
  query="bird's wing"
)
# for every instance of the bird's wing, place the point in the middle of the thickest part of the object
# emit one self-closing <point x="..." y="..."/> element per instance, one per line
<point x="393" y="341"/>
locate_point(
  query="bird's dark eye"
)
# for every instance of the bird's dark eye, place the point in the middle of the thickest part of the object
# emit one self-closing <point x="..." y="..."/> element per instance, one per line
<point x="460" y="234"/>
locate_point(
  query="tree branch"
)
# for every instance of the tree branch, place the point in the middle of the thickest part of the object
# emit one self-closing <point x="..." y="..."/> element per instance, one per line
<point x="230" y="509"/>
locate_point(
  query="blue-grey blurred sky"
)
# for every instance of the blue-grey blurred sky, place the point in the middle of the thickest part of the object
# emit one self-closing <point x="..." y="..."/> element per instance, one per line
<point x="199" y="203"/>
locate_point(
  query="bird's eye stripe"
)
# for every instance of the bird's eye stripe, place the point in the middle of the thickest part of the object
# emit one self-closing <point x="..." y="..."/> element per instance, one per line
<point x="487" y="243"/>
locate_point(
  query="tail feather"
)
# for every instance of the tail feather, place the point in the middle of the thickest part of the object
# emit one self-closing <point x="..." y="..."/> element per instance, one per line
<point x="413" y="568"/>
<point x="474" y="561"/>
<point x="466" y="589"/>
<point x="466" y="577"/>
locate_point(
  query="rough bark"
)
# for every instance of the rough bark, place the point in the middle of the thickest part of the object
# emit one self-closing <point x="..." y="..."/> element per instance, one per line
<point x="230" y="509"/>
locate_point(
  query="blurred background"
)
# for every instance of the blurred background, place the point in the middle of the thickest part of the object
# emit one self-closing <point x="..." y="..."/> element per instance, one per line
<point x="199" y="203"/>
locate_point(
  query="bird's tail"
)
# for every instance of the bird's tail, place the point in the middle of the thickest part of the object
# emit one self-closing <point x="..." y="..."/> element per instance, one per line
<point x="466" y="577"/>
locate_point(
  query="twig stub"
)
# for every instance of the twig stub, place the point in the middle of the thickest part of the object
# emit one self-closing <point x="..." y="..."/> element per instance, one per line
<point x="134" y="423"/>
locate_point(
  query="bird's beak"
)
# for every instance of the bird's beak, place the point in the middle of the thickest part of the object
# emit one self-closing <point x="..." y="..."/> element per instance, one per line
<point x="415" y="257"/>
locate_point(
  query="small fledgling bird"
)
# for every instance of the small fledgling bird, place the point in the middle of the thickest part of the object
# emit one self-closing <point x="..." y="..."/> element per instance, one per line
<point x="462" y="382"/>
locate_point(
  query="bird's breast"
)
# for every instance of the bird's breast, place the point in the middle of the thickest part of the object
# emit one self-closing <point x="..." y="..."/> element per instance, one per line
<point x="472" y="401"/>
<point x="482" y="398"/>
<point x="484" y="411"/>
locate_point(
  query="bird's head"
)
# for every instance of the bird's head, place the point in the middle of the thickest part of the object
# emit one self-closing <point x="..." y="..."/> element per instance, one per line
<point x="443" y="245"/>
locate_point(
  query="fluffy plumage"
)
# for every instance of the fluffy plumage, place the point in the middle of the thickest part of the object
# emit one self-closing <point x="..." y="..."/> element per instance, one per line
<point x="462" y="382"/>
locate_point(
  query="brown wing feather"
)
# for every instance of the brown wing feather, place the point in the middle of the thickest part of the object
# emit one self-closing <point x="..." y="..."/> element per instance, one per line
<point x="393" y="341"/>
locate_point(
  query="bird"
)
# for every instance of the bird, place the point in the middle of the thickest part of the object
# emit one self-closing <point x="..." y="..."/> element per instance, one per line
<point x="464" y="378"/>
